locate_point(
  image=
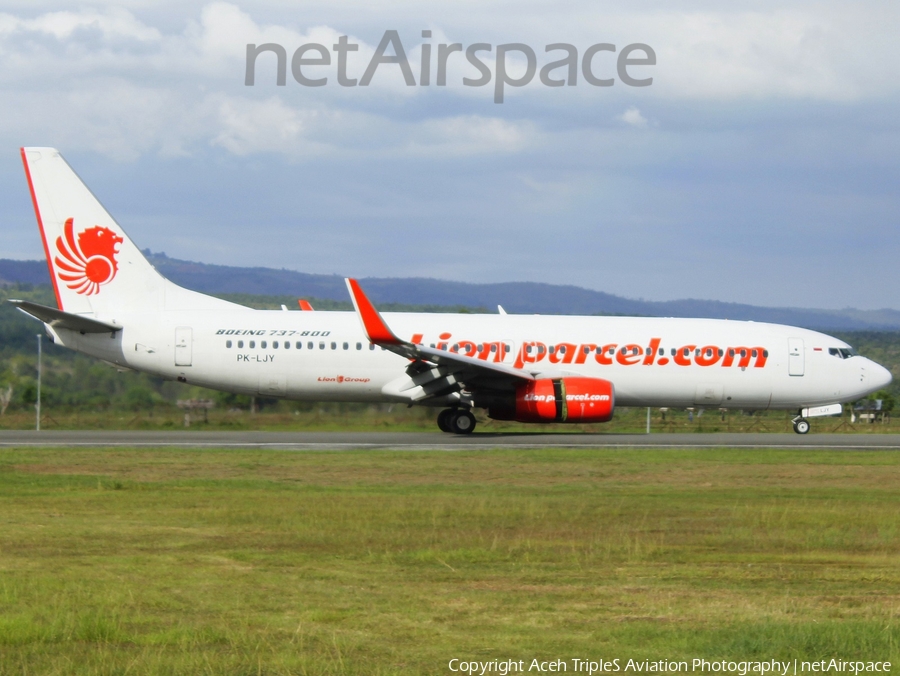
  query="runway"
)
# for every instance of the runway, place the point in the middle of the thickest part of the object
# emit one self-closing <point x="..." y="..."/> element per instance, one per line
<point x="434" y="441"/>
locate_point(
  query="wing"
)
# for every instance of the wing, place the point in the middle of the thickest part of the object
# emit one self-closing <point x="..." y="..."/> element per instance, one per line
<point x="433" y="373"/>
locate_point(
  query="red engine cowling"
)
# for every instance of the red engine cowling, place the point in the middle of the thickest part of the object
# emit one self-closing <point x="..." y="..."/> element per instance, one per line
<point x="574" y="400"/>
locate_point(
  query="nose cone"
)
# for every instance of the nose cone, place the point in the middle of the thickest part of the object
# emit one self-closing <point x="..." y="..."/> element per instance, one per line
<point x="878" y="377"/>
<point x="872" y="377"/>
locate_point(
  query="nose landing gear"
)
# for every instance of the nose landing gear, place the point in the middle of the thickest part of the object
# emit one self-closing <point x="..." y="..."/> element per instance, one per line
<point x="801" y="425"/>
<point x="456" y="421"/>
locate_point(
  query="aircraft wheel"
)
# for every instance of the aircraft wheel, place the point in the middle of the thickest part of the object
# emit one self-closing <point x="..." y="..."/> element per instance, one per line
<point x="801" y="426"/>
<point x="462" y="422"/>
<point x="443" y="420"/>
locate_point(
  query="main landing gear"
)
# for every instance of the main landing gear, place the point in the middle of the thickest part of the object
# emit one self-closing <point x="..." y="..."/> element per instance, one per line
<point x="456" y="421"/>
<point x="801" y="425"/>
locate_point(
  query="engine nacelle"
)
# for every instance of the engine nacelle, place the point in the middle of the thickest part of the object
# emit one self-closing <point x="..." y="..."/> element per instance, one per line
<point x="574" y="400"/>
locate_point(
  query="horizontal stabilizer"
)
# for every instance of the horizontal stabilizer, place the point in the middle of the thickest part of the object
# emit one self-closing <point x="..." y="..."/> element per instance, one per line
<point x="64" y="320"/>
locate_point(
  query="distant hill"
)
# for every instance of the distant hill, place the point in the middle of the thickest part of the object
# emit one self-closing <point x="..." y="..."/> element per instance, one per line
<point x="515" y="297"/>
<point x="23" y="272"/>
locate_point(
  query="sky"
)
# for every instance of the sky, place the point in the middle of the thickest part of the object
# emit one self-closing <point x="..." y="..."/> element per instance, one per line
<point x="762" y="165"/>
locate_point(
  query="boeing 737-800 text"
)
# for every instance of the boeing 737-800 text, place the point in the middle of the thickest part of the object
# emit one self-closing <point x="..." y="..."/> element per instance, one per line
<point x="115" y="306"/>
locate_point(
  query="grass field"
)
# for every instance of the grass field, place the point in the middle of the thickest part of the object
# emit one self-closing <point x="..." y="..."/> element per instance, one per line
<point x="245" y="562"/>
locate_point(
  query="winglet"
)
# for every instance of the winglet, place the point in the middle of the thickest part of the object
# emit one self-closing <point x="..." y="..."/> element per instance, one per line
<point x="376" y="330"/>
<point x="305" y="305"/>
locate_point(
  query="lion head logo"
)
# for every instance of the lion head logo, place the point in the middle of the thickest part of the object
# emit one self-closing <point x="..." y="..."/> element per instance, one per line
<point x="89" y="262"/>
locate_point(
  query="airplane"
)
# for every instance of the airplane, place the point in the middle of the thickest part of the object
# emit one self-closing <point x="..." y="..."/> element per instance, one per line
<point x="115" y="306"/>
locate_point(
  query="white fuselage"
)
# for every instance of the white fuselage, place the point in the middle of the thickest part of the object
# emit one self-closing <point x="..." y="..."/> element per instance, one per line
<point x="325" y="356"/>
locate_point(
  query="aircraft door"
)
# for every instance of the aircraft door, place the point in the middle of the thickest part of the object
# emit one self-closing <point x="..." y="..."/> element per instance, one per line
<point x="796" y="357"/>
<point x="183" y="346"/>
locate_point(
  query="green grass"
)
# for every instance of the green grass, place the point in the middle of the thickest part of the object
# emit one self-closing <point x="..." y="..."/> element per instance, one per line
<point x="244" y="562"/>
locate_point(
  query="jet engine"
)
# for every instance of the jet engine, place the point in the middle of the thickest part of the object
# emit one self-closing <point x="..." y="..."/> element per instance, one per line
<point x="573" y="400"/>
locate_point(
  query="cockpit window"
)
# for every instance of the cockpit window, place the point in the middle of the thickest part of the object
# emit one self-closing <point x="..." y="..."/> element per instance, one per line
<point x="843" y="352"/>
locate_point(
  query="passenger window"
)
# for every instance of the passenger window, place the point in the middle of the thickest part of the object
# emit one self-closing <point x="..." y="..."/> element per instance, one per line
<point x="252" y="344"/>
<point x="359" y="346"/>
<point x="346" y="346"/>
<point x="493" y="348"/>
<point x="227" y="343"/>
<point x="240" y="343"/>
<point x="371" y="346"/>
<point x="321" y="346"/>
<point x="274" y="345"/>
<point x="551" y="349"/>
<point x="287" y="345"/>
<point x="309" y="345"/>
<point x="298" y="345"/>
<point x="334" y="346"/>
<point x="263" y="345"/>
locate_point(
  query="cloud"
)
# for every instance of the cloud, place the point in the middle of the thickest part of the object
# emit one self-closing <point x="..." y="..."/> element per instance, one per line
<point x="125" y="83"/>
<point x="112" y="117"/>
<point x="770" y="123"/>
<point x="113" y="24"/>
<point x="633" y="117"/>
<point x="260" y="126"/>
<point x="468" y="135"/>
